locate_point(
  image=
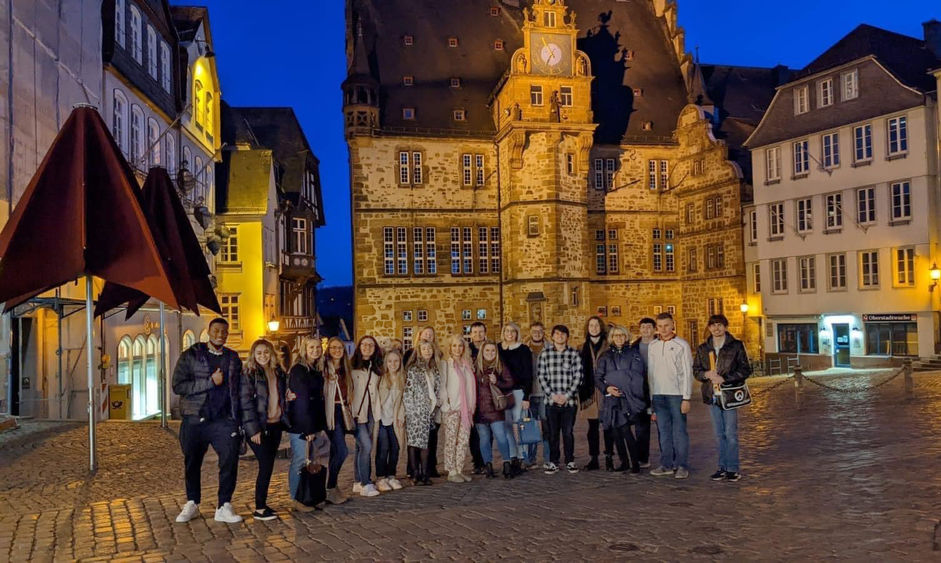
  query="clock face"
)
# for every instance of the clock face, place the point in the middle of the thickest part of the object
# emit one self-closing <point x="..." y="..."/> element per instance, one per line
<point x="551" y="53"/>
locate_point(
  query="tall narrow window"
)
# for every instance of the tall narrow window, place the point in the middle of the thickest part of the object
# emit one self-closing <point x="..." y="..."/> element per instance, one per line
<point x="230" y="246"/>
<point x="152" y="52"/>
<point x="898" y="136"/>
<point x="869" y="268"/>
<point x="866" y="205"/>
<point x="230" y="311"/>
<point x="808" y="273"/>
<point x="535" y="95"/>
<point x="119" y="120"/>
<point x="388" y="250"/>
<point x="495" y="250"/>
<point x="165" y="66"/>
<point x="837" y="272"/>
<point x="901" y="201"/>
<point x="119" y="29"/>
<point x="862" y="138"/>
<point x="756" y="277"/>
<point x="479" y="169"/>
<point x="905" y="266"/>
<point x="825" y="93"/>
<point x="483" y="250"/>
<point x="410" y="168"/>
<point x="467" y="251"/>
<point x="670" y="260"/>
<point x="418" y="250"/>
<point x="753" y="226"/>
<point x="779" y="275"/>
<point x="804" y="215"/>
<point x="599" y="173"/>
<point x="198" y="107"/>
<point x="153" y="144"/>
<point x="299" y="232"/>
<point x="431" y="251"/>
<point x="565" y="96"/>
<point x="405" y="171"/>
<point x="401" y="250"/>
<point x="455" y="250"/>
<point x="831" y="150"/>
<point x="801" y="159"/>
<point x="834" y="211"/>
<point x="207" y="112"/>
<point x="664" y="175"/>
<point x="609" y="169"/>
<point x="169" y="144"/>
<point x="773" y="164"/>
<point x="850" y="81"/>
<point x="416" y="168"/>
<point x="692" y="260"/>
<point x="801" y="100"/>
<point x="136" y="31"/>
<point x="137" y="135"/>
<point x="467" y="169"/>
<point x="776" y="220"/>
<point x="652" y="174"/>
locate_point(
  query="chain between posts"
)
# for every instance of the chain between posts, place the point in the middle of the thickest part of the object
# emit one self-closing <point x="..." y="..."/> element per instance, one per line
<point x="798" y="377"/>
<point x="775" y="386"/>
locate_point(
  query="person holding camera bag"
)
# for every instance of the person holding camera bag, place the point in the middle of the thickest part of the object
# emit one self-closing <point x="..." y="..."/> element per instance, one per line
<point x="728" y="366"/>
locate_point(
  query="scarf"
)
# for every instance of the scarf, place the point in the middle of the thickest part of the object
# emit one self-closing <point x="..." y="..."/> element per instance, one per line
<point x="461" y="368"/>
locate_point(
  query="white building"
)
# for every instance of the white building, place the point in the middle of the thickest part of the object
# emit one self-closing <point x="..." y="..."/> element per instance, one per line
<point x="843" y="231"/>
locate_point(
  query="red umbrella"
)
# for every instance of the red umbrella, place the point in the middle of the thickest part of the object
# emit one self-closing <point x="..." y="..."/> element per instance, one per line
<point x="80" y="216"/>
<point x="183" y="259"/>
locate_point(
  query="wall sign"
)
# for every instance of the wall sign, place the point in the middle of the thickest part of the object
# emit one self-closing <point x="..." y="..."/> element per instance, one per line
<point x="890" y="318"/>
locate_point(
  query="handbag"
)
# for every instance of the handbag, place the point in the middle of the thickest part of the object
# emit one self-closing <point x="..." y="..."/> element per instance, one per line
<point x="734" y="397"/>
<point x="349" y="425"/>
<point x="312" y="486"/>
<point x="528" y="429"/>
<point x="499" y="399"/>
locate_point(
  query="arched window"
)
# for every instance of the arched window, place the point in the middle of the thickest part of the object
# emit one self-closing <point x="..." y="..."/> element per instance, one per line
<point x="198" y="107"/>
<point x="151" y="368"/>
<point x="137" y="377"/>
<point x="137" y="135"/>
<point x="187" y="159"/>
<point x="119" y="120"/>
<point x="153" y="146"/>
<point x="188" y="339"/>
<point x="136" y="47"/>
<point x="152" y="52"/>
<point x="119" y="29"/>
<point x="169" y="142"/>
<point x="207" y="124"/>
<point x="124" y="361"/>
<point x="165" y="66"/>
<point x="204" y="336"/>
<point x="199" y="173"/>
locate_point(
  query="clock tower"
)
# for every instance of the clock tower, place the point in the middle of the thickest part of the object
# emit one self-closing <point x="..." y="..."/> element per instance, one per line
<point x="542" y="113"/>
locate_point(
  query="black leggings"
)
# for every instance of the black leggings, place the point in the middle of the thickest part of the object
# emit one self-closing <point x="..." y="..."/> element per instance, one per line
<point x="418" y="458"/>
<point x="265" y="453"/>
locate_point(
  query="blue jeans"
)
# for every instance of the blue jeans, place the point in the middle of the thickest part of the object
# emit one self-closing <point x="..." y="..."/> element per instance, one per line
<point x="298" y="461"/>
<point x="513" y="414"/>
<point x="537" y="406"/>
<point x="498" y="430"/>
<point x="362" y="465"/>
<point x="671" y="431"/>
<point x="338" y="449"/>
<point x="725" y="426"/>
<point x="387" y="456"/>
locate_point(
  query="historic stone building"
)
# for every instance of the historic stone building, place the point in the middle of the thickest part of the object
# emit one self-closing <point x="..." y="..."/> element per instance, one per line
<point x="539" y="160"/>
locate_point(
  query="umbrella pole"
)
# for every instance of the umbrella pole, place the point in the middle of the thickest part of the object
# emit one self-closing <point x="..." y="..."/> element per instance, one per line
<point x="164" y="403"/>
<point x="89" y="352"/>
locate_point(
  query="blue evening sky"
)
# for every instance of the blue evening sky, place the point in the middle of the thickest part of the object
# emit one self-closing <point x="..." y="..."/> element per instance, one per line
<point x="291" y="53"/>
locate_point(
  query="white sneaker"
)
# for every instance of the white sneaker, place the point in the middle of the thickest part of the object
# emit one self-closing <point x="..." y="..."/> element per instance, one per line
<point x="395" y="484"/>
<point x="369" y="491"/>
<point x="190" y="511"/>
<point x="383" y="485"/>
<point x="226" y="513"/>
<point x="357" y="488"/>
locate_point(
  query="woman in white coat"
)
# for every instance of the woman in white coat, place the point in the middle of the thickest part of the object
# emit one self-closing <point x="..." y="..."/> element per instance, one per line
<point x="458" y="403"/>
<point x="366" y="372"/>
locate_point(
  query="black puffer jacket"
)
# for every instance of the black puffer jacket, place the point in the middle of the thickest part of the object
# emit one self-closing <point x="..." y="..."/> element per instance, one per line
<point x="520" y="363"/>
<point x="732" y="364"/>
<point x="192" y="381"/>
<point x="257" y="391"/>
<point x="306" y="412"/>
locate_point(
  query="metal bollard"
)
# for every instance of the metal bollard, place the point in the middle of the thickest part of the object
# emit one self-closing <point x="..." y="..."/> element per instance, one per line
<point x="909" y="382"/>
<point x="798" y="377"/>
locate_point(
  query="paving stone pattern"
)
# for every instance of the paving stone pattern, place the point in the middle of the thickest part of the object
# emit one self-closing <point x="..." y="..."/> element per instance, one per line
<point x="827" y="475"/>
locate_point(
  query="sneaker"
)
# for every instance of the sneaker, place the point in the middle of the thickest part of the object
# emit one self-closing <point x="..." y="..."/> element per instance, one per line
<point x="264" y="514"/>
<point x="301" y="507"/>
<point x="395" y="484"/>
<point x="465" y="478"/>
<point x="369" y="491"/>
<point x="453" y="477"/>
<point x="335" y="496"/>
<point x="551" y="468"/>
<point x="226" y="513"/>
<point x="718" y="475"/>
<point x="546" y="465"/>
<point x="571" y="467"/>
<point x="644" y="464"/>
<point x="383" y="485"/>
<point x="190" y="511"/>
<point x="681" y="473"/>
<point x="732" y="476"/>
<point x="661" y="471"/>
<point x="357" y="488"/>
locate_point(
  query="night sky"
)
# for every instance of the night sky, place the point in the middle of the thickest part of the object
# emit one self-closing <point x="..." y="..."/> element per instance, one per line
<point x="291" y="53"/>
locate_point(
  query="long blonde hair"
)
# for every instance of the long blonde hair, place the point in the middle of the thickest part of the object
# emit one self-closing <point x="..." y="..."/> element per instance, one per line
<point x="392" y="378"/>
<point x="465" y="355"/>
<point x="482" y="364"/>
<point x="252" y="367"/>
<point x="300" y="353"/>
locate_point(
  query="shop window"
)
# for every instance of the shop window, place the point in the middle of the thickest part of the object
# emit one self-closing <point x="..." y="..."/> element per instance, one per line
<point x="798" y="338"/>
<point x="892" y="339"/>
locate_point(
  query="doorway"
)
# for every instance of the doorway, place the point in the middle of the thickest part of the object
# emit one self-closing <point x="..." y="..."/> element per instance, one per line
<point x="841" y="345"/>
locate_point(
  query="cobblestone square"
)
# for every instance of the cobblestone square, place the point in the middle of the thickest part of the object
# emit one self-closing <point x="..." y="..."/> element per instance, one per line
<point x="845" y="474"/>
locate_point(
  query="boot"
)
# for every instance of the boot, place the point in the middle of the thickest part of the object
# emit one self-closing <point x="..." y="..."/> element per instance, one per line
<point x="488" y="471"/>
<point x="516" y="467"/>
<point x="507" y="470"/>
<point x="608" y="462"/>
<point x="622" y="467"/>
<point x="593" y="464"/>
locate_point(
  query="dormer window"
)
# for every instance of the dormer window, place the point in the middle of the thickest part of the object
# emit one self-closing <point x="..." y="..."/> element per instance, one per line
<point x="408" y="40"/>
<point x="408" y="80"/>
<point x="638" y="92"/>
<point x="647" y="126"/>
<point x="495" y="11"/>
<point x="408" y="113"/>
<point x="629" y="54"/>
<point x="136" y="33"/>
<point x="801" y="100"/>
<point x="455" y="82"/>
<point x="452" y="42"/>
<point x="498" y="45"/>
<point x="549" y="19"/>
<point x="458" y="115"/>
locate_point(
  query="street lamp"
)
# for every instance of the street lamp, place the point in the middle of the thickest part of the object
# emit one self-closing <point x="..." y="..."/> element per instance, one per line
<point x="274" y="325"/>
<point x="935" y="274"/>
<point x="744" y="306"/>
<point x="744" y="309"/>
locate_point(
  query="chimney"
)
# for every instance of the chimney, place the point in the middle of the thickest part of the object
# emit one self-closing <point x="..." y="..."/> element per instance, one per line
<point x="782" y="75"/>
<point x="933" y="36"/>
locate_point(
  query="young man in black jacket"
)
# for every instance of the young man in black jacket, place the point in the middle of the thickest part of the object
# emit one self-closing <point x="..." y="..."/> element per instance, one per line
<point x="214" y="402"/>
<point x="728" y="367"/>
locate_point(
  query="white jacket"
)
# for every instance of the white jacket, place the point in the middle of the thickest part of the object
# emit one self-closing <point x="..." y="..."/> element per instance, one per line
<point x="670" y="367"/>
<point x="361" y="404"/>
<point x="450" y="396"/>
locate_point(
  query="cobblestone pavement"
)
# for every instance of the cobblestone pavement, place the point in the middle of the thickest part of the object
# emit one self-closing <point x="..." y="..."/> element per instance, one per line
<point x="836" y="474"/>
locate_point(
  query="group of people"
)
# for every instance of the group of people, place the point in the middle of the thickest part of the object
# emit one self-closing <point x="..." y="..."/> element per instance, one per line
<point x="478" y="390"/>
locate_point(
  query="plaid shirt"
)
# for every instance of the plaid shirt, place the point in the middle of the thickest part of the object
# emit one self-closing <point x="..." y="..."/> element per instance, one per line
<point x="560" y="373"/>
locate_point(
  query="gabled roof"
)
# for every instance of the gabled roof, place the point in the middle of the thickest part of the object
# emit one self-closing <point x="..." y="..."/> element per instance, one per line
<point x="908" y="58"/>
<point x="243" y="181"/>
<point x="743" y="92"/>
<point x="607" y="31"/>
<point x="187" y="20"/>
